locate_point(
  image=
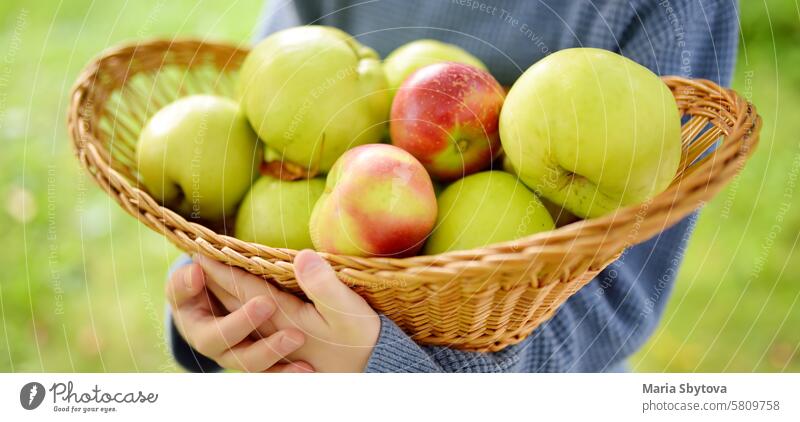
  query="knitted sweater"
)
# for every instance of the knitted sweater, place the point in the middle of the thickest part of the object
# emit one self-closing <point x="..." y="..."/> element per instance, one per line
<point x="610" y="318"/>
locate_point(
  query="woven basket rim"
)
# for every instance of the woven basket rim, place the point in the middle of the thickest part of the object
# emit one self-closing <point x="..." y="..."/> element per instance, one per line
<point x="222" y="247"/>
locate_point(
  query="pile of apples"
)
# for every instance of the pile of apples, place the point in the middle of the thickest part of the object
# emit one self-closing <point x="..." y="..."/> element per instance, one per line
<point x="327" y="146"/>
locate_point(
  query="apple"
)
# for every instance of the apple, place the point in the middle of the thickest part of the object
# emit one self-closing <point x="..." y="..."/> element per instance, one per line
<point x="446" y="115"/>
<point x="378" y="201"/>
<point x="560" y="215"/>
<point x="312" y="92"/>
<point x="198" y="156"/>
<point x="276" y="212"/>
<point x="485" y="208"/>
<point x="406" y="59"/>
<point x="591" y="131"/>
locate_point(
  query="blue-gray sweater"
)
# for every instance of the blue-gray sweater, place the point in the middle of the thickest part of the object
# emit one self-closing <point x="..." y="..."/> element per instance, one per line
<point x="610" y="318"/>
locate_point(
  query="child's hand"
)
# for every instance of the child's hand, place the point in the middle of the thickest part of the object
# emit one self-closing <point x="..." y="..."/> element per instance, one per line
<point x="340" y="327"/>
<point x="225" y="339"/>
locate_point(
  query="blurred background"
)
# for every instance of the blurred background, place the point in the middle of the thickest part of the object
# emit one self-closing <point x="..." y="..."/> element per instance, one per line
<point x="81" y="281"/>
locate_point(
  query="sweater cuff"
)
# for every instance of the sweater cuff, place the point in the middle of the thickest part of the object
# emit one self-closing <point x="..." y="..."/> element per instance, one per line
<point x="395" y="351"/>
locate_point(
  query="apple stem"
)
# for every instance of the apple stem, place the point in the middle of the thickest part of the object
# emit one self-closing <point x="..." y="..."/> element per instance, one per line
<point x="285" y="170"/>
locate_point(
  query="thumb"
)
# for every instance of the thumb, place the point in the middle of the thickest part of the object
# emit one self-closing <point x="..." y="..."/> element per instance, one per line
<point x="332" y="298"/>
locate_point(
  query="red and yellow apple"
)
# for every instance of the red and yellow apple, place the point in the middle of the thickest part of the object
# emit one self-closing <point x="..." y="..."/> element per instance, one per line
<point x="446" y="115"/>
<point x="378" y="201"/>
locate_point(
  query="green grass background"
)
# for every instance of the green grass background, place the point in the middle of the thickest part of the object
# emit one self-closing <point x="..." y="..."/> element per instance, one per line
<point x="81" y="281"/>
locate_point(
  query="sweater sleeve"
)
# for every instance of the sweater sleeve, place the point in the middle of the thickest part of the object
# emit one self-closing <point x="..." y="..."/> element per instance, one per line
<point x="599" y="327"/>
<point x="282" y="14"/>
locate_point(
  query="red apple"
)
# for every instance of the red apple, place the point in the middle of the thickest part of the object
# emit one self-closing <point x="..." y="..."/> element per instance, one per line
<point x="446" y="115"/>
<point x="378" y="201"/>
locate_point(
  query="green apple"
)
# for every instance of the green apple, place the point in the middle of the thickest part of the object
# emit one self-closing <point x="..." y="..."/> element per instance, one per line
<point x="406" y="59"/>
<point x="313" y="92"/>
<point x="198" y="156"/>
<point x="560" y="215"/>
<point x="591" y="131"/>
<point x="276" y="212"/>
<point x="486" y="208"/>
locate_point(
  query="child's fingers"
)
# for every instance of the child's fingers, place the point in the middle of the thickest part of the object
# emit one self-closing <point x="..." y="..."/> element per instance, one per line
<point x="190" y="316"/>
<point x="332" y="298"/>
<point x="243" y="286"/>
<point x="213" y="336"/>
<point x="237" y="282"/>
<point x="263" y="354"/>
<point x="232" y="303"/>
<point x="229" y="301"/>
<point x="292" y="367"/>
<point x="185" y="283"/>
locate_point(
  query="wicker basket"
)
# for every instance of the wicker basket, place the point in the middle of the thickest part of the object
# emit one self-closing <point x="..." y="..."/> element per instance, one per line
<point x="483" y="299"/>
